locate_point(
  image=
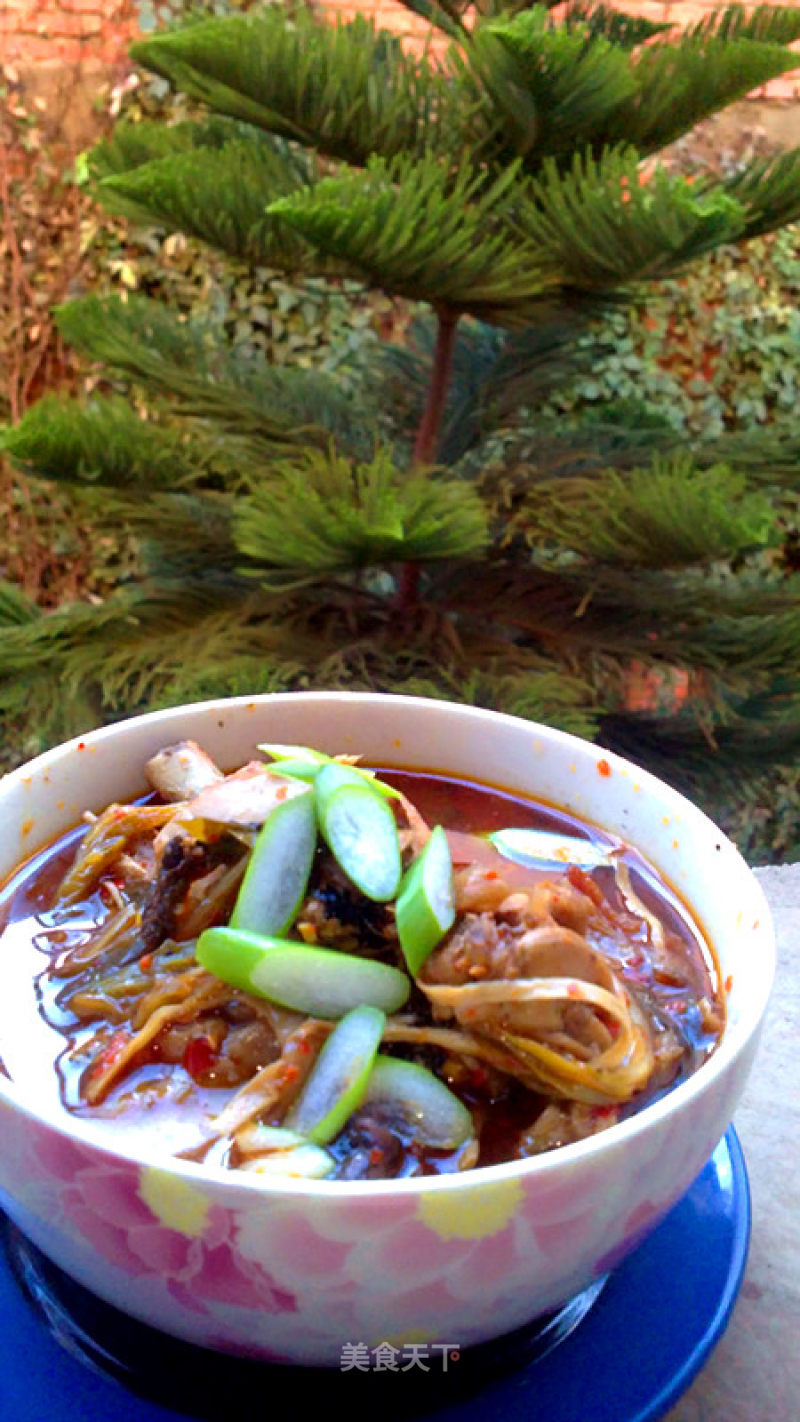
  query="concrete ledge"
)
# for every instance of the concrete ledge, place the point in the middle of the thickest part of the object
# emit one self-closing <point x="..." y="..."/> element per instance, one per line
<point x="754" y="1373"/>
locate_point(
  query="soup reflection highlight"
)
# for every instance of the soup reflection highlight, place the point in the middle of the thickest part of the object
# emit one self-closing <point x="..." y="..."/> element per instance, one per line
<point x="305" y="968"/>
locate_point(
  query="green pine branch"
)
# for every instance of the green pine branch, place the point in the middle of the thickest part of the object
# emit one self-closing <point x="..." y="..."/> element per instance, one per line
<point x="517" y="684"/>
<point x="133" y="144"/>
<point x="600" y="227"/>
<point x="268" y="408"/>
<point x="124" y="653"/>
<point x="695" y="618"/>
<point x="680" y="82"/>
<point x="767" y="24"/>
<point x="16" y="610"/>
<point x="666" y="516"/>
<point x="347" y="90"/>
<point x="444" y="15"/>
<point x="221" y="196"/>
<point x="712" y="747"/>
<point x="325" y="514"/>
<point x="769" y="191"/>
<point x="421" y="230"/>
<point x="497" y="377"/>
<point x="544" y="87"/>
<point x="627" y="31"/>
<point x="103" y="442"/>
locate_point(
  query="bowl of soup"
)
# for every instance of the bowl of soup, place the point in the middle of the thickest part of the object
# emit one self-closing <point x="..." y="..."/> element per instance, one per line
<point x="334" y="1019"/>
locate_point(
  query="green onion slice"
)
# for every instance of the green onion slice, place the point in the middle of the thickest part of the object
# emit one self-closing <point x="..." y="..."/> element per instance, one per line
<point x="544" y="849"/>
<point x="426" y="905"/>
<point x="303" y="763"/>
<point x="360" y="830"/>
<point x="300" y="1162"/>
<point x="320" y="982"/>
<point x="430" y="1110"/>
<point x="256" y="1138"/>
<point x="306" y="753"/>
<point x="338" y="1080"/>
<point x="278" y="871"/>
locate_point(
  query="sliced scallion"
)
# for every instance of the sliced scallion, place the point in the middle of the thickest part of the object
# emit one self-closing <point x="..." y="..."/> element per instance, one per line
<point x="277" y="874"/>
<point x="338" y="1080"/>
<point x="300" y="1162"/>
<point x="360" y="830"/>
<point x="320" y="982"/>
<point x="545" y="849"/>
<point x="429" y="1109"/>
<point x="426" y="906"/>
<point x="303" y="763"/>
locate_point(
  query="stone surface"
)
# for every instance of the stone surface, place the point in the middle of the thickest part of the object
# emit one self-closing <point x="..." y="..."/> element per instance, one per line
<point x="754" y="1373"/>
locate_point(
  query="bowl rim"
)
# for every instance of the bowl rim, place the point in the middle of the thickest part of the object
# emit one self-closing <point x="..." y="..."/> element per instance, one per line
<point x="96" y="1135"/>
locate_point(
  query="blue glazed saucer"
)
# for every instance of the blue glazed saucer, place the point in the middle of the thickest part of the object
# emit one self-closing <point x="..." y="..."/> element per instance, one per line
<point x="623" y="1353"/>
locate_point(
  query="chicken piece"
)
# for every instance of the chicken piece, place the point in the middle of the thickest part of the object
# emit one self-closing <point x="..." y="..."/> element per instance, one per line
<point x="485" y="947"/>
<point x="563" y="1122"/>
<point x="507" y="888"/>
<point x="178" y="772"/>
<point x="241" y="802"/>
<point x="244" y="799"/>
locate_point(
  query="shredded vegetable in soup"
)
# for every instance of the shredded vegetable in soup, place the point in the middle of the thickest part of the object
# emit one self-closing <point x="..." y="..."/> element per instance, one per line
<point x="307" y="968"/>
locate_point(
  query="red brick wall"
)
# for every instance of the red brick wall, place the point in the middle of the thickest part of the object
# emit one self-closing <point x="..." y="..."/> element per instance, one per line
<point x="67" y="31"/>
<point x="99" y="30"/>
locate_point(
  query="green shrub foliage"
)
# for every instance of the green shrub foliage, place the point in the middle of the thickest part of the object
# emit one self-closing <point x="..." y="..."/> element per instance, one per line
<point x="536" y="497"/>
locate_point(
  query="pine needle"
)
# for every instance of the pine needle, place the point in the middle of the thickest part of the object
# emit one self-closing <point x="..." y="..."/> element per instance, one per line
<point x="347" y="90"/>
<point x="670" y="515"/>
<point x="326" y="514"/>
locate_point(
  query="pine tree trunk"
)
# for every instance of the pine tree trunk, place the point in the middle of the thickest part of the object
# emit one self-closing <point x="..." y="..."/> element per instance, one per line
<point x="428" y="432"/>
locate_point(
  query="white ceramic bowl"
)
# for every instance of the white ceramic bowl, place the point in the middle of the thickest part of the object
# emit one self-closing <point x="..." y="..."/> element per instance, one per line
<point x="297" y="1271"/>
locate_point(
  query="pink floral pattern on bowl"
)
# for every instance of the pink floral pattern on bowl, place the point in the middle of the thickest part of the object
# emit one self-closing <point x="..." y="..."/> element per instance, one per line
<point x="263" y="1269"/>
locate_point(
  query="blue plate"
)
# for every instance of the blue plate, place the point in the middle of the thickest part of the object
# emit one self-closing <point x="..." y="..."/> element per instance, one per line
<point x="629" y="1359"/>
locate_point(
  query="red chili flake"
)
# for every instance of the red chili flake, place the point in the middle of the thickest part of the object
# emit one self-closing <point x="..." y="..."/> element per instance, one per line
<point x="81" y="745"/>
<point x="491" y="874"/>
<point x="304" y="1046"/>
<point x="281" y="792"/>
<point x="146" y="962"/>
<point x="603" y="767"/>
<point x="199" y="1057"/>
<point x="375" y="1155"/>
<point x="729" y="982"/>
<point x="573" y="990"/>
<point x="668" y="979"/>
<point x="613" y="1027"/>
<point x="290" y="1072"/>
<point x="113" y="1049"/>
<point x="600" y="1111"/>
<point x="579" y="879"/>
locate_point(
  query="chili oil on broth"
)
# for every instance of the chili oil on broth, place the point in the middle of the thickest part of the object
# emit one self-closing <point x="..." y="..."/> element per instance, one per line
<point x="162" y="1109"/>
<point x="159" y="1105"/>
